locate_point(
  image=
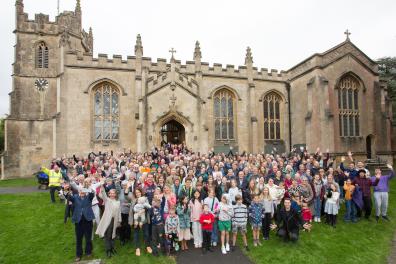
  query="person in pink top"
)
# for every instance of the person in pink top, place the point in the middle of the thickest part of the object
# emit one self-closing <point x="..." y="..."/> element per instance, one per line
<point x="196" y="211"/>
<point x="170" y="199"/>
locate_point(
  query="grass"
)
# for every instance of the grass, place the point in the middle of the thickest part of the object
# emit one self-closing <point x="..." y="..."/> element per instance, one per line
<point x="32" y="231"/>
<point x="363" y="242"/>
<point x="22" y="182"/>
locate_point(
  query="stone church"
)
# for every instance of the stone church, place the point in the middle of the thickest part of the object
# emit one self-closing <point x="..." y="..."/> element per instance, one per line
<point x="66" y="101"/>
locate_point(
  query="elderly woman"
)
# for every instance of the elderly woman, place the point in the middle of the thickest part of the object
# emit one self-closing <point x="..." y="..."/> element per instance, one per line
<point x="307" y="193"/>
<point x="111" y="219"/>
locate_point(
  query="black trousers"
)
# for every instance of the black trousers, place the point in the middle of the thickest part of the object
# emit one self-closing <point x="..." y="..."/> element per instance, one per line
<point x="265" y="228"/>
<point x="108" y="236"/>
<point x="125" y="229"/>
<point x="83" y="229"/>
<point x="68" y="211"/>
<point x="287" y="235"/>
<point x="206" y="238"/>
<point x="157" y="237"/>
<point x="52" y="192"/>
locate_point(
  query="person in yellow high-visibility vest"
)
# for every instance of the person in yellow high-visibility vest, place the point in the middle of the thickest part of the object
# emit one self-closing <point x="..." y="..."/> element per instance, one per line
<point x="54" y="177"/>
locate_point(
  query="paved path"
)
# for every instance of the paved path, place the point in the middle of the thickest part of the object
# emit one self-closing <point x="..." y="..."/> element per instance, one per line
<point x="195" y="256"/>
<point x="28" y="189"/>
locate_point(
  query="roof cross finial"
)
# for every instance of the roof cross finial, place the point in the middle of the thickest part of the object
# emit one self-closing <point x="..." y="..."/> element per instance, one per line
<point x="172" y="50"/>
<point x="347" y="33"/>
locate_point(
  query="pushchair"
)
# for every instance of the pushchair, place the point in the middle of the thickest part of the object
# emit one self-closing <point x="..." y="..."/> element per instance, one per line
<point x="42" y="179"/>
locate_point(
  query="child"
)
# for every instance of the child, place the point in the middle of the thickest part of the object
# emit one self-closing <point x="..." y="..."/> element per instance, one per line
<point x="207" y="220"/>
<point x="350" y="210"/>
<point x="225" y="214"/>
<point x="268" y="206"/>
<point x="296" y="203"/>
<point x="331" y="206"/>
<point x="172" y="228"/>
<point x="157" y="221"/>
<point x="196" y="211"/>
<point x="306" y="216"/>
<point x="213" y="204"/>
<point x="183" y="211"/>
<point x="139" y="210"/>
<point x="239" y="221"/>
<point x="256" y="214"/>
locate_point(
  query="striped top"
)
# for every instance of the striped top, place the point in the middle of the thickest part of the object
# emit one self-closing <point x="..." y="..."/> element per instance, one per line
<point x="240" y="215"/>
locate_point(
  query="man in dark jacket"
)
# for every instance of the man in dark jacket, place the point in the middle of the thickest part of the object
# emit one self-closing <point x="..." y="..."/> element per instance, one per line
<point x="82" y="219"/>
<point x="365" y="184"/>
<point x="288" y="222"/>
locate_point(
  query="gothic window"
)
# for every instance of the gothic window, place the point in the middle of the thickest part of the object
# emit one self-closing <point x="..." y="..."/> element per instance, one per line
<point x="224" y="118"/>
<point x="348" y="104"/>
<point x="106" y="112"/>
<point x="272" y="116"/>
<point x="42" y="56"/>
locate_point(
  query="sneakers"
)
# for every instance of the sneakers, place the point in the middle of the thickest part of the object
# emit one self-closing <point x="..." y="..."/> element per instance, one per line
<point x="318" y="219"/>
<point x="233" y="248"/>
<point x="214" y="244"/>
<point x="377" y="218"/>
<point x="255" y="243"/>
<point x="246" y="248"/>
<point x="223" y="250"/>
<point x="258" y="242"/>
<point x="227" y="247"/>
<point x="149" y="250"/>
<point x="385" y="218"/>
<point x="137" y="253"/>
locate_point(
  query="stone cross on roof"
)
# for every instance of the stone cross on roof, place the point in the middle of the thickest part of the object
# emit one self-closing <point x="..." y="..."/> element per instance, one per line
<point x="347" y="33"/>
<point x="172" y="50"/>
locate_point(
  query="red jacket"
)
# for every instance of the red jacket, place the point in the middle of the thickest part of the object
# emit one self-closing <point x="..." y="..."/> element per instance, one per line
<point x="206" y="226"/>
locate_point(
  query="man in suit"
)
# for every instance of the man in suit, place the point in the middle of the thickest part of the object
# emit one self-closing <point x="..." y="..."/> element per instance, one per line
<point x="82" y="219"/>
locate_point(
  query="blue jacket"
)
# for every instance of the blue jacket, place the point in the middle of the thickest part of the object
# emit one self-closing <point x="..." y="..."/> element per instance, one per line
<point x="82" y="206"/>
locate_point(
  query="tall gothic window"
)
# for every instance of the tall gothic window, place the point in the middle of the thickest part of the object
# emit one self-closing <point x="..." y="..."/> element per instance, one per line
<point x="106" y="112"/>
<point x="42" y="55"/>
<point x="348" y="105"/>
<point x="224" y="115"/>
<point x="272" y="116"/>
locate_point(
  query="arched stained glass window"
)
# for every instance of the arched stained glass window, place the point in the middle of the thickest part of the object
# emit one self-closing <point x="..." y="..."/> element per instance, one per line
<point x="224" y="119"/>
<point x="106" y="112"/>
<point x="272" y="116"/>
<point x="348" y="104"/>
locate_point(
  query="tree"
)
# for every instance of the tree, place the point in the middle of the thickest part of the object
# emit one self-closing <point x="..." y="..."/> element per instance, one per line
<point x="387" y="70"/>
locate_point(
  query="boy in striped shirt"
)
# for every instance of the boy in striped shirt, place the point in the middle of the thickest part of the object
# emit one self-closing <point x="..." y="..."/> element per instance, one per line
<point x="239" y="221"/>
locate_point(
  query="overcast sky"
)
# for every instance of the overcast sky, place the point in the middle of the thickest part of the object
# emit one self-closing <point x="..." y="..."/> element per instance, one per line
<point x="280" y="33"/>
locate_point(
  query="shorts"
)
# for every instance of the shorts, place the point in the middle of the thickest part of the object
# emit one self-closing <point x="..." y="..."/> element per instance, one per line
<point x="224" y="226"/>
<point x="239" y="228"/>
<point x="184" y="234"/>
<point x="256" y="225"/>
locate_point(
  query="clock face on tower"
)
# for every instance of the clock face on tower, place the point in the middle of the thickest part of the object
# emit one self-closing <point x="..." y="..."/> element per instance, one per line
<point x="41" y="84"/>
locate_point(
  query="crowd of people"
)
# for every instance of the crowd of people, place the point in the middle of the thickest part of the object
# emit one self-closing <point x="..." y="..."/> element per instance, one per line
<point x="172" y="195"/>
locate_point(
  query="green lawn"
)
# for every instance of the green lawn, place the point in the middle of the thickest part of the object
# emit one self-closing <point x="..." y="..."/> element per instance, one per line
<point x="363" y="242"/>
<point x="32" y="231"/>
<point x="19" y="182"/>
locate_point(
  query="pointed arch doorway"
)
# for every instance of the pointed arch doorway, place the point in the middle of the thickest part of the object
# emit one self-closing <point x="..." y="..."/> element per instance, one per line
<point x="172" y="132"/>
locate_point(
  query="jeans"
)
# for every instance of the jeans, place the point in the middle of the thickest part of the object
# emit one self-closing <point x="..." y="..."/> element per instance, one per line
<point x="381" y="203"/>
<point x="83" y="229"/>
<point x="350" y="211"/>
<point x="146" y="235"/>
<point x="52" y="192"/>
<point x="215" y="236"/>
<point x="317" y="206"/>
<point x="288" y="235"/>
<point x="157" y="237"/>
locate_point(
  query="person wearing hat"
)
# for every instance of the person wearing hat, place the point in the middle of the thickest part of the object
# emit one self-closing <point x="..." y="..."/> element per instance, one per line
<point x="82" y="218"/>
<point x="365" y="184"/>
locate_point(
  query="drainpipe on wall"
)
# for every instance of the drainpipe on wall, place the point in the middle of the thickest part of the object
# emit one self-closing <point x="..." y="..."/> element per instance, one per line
<point x="289" y="114"/>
